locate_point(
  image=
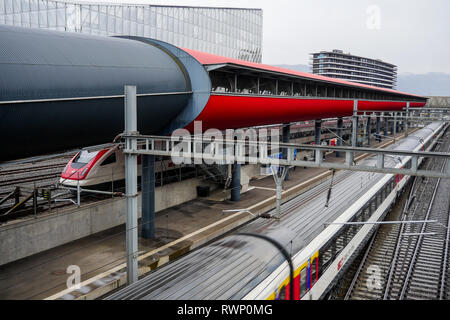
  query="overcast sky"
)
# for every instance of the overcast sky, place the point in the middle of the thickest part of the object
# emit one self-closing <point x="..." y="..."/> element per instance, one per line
<point x="412" y="34"/>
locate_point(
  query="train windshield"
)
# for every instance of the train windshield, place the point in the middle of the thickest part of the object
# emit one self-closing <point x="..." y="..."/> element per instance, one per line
<point x="83" y="158"/>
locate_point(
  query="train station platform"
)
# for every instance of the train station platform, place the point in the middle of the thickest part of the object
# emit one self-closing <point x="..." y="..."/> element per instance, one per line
<point x="101" y="257"/>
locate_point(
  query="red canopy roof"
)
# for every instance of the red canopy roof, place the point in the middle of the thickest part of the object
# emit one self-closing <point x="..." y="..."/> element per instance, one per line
<point x="211" y="59"/>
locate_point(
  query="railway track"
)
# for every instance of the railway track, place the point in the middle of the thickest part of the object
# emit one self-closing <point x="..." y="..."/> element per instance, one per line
<point x="41" y="174"/>
<point x="32" y="169"/>
<point x="22" y="180"/>
<point x="410" y="261"/>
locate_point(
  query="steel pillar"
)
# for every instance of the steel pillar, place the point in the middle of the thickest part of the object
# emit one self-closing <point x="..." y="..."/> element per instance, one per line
<point x="279" y="190"/>
<point x="148" y="196"/>
<point x="394" y="124"/>
<point x="131" y="186"/>
<point x="398" y="122"/>
<point x="368" y="127"/>
<point x="317" y="131"/>
<point x="378" y="129"/>
<point x="406" y="120"/>
<point x="340" y="124"/>
<point x="236" y="183"/>
<point x="286" y="138"/>
<point x="386" y="125"/>
<point x="354" y="131"/>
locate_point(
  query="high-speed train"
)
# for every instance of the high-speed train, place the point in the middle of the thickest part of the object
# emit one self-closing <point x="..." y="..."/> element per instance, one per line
<point x="63" y="90"/>
<point x="240" y="266"/>
<point x="100" y="167"/>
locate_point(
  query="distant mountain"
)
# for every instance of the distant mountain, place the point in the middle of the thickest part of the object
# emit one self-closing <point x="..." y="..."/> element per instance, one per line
<point x="296" y="67"/>
<point x="426" y="84"/>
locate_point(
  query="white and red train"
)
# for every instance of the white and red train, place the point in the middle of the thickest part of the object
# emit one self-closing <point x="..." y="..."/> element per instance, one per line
<point x="94" y="168"/>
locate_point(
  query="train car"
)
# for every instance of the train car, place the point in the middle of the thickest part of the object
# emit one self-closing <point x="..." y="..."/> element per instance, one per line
<point x="321" y="260"/>
<point x="240" y="266"/>
<point x="102" y="167"/>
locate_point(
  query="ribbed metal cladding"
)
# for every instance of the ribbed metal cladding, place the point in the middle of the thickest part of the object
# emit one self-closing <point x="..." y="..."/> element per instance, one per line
<point x="62" y="90"/>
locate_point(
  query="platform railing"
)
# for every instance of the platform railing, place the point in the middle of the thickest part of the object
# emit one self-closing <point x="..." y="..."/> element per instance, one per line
<point x="190" y="149"/>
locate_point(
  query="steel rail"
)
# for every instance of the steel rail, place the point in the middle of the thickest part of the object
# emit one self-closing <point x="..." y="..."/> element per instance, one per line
<point x="29" y="169"/>
<point x="361" y="266"/>
<point x="419" y="241"/>
<point x="445" y="261"/>
<point x="374" y="255"/>
<point x="29" y="179"/>
<point x="398" y="243"/>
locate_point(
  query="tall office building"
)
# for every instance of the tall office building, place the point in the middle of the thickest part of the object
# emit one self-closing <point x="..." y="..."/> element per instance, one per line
<point x="337" y="64"/>
<point x="231" y="32"/>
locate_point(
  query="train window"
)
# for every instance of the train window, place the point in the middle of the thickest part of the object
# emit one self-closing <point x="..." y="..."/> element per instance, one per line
<point x="222" y="81"/>
<point x="83" y="158"/>
<point x="314" y="265"/>
<point x="110" y="159"/>
<point x="247" y="85"/>
<point x="303" y="283"/>
<point x="267" y="86"/>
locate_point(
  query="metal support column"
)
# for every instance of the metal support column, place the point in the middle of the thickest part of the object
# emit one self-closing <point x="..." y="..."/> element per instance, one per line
<point x="317" y="131"/>
<point x="148" y="196"/>
<point x="286" y="138"/>
<point x="386" y="125"/>
<point x="354" y="133"/>
<point x="378" y="129"/>
<point x="394" y="125"/>
<point x="340" y="124"/>
<point x="406" y="120"/>
<point x="131" y="186"/>
<point x="368" y="128"/>
<point x="236" y="183"/>
<point x="279" y="190"/>
<point x="399" y="122"/>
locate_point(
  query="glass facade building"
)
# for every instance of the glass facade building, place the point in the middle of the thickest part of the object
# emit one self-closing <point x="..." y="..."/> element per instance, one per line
<point x="230" y="32"/>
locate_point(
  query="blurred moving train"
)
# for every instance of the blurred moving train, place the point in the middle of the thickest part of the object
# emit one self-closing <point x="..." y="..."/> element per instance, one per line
<point x="321" y="246"/>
